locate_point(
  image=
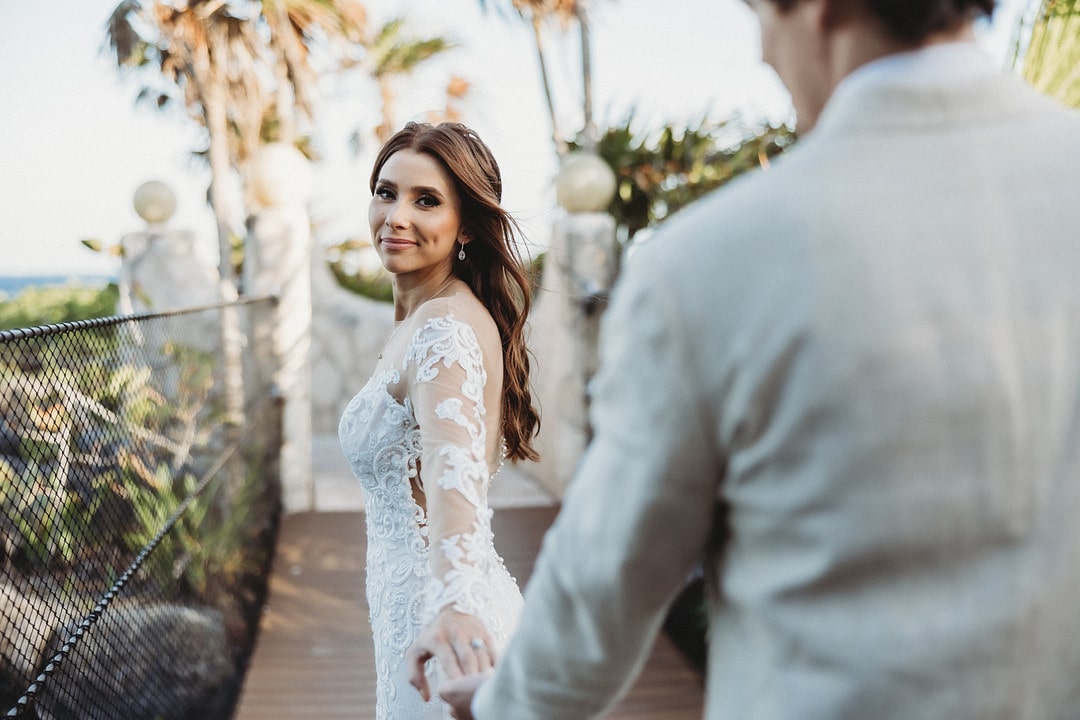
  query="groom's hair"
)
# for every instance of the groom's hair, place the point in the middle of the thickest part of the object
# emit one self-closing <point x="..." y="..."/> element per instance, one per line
<point x="915" y="20"/>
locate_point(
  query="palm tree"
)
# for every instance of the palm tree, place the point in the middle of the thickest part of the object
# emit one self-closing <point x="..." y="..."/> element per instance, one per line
<point x="216" y="56"/>
<point x="295" y="27"/>
<point x="219" y="56"/>
<point x="204" y="51"/>
<point x="539" y="13"/>
<point x="1048" y="49"/>
<point x="389" y="55"/>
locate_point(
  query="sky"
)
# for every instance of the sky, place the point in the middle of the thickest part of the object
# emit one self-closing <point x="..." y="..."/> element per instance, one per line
<point x="74" y="146"/>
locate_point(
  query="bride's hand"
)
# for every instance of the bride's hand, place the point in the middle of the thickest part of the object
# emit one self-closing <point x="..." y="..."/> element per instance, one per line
<point x="458" y="694"/>
<point x="461" y="644"/>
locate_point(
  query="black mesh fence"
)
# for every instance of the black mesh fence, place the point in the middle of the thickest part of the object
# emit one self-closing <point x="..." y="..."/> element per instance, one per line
<point x="139" y="500"/>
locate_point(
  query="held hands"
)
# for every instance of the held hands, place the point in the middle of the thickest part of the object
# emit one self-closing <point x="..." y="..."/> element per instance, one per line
<point x="458" y="694"/>
<point x="461" y="644"/>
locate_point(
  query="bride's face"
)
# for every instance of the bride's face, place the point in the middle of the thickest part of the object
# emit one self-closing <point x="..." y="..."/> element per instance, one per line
<point x="415" y="214"/>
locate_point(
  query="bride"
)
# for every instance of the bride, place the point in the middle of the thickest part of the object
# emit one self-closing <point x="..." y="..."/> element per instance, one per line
<point x="448" y="403"/>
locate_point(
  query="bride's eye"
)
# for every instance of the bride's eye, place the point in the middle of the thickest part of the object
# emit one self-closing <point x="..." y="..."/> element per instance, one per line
<point x="428" y="201"/>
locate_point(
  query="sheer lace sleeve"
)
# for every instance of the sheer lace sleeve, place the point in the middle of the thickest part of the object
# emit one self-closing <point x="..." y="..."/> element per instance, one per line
<point x="448" y="401"/>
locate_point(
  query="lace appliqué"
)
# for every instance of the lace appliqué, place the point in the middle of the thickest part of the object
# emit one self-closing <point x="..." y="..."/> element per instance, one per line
<point x="470" y="556"/>
<point x="381" y="440"/>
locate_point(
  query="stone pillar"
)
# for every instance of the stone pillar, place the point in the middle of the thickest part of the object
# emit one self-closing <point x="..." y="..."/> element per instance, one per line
<point x="160" y="269"/>
<point x="579" y="271"/>
<point x="277" y="261"/>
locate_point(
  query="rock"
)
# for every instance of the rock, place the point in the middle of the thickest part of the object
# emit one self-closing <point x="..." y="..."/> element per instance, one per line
<point x="27" y="620"/>
<point x="143" y="662"/>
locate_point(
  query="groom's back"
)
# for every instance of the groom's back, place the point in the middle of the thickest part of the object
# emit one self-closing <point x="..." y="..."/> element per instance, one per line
<point x="898" y="353"/>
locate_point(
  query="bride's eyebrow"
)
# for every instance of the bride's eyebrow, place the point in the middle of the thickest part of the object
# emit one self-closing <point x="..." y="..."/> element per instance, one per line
<point x="426" y="190"/>
<point x="415" y="190"/>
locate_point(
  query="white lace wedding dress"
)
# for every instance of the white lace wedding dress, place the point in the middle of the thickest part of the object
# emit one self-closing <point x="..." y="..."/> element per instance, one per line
<point x="426" y="410"/>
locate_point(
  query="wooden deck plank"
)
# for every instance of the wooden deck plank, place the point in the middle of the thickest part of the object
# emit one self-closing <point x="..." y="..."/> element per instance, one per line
<point x="314" y="656"/>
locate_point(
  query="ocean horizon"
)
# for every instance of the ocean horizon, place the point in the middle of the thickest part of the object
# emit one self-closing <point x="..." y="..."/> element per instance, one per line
<point x="12" y="285"/>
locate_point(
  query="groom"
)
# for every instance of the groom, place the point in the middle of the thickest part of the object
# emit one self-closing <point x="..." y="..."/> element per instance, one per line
<point x="850" y="384"/>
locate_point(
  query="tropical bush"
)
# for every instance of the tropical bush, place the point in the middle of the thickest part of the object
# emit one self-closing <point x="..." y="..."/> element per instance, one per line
<point x="661" y="171"/>
<point x="1048" y="49"/>
<point x="367" y="279"/>
<point x="56" y="304"/>
<point x="76" y="424"/>
<point x="110" y="459"/>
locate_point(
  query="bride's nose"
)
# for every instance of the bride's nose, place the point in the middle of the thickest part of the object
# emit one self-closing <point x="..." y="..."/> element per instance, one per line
<point x="397" y="215"/>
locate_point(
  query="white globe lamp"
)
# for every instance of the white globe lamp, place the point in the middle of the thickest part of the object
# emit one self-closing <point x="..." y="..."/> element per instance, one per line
<point x="155" y="202"/>
<point x="584" y="183"/>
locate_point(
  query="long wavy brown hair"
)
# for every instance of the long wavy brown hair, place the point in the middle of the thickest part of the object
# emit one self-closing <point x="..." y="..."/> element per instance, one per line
<point x="493" y="267"/>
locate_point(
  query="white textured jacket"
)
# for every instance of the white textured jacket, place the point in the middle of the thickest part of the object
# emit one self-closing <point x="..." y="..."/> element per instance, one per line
<point x="852" y="384"/>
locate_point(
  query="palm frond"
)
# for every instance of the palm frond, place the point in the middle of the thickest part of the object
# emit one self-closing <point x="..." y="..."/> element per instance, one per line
<point x="393" y="54"/>
<point x="1051" y="59"/>
<point x="123" y="40"/>
<point x="345" y="18"/>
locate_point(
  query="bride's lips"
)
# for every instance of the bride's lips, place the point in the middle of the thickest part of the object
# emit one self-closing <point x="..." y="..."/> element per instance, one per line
<point x="396" y="243"/>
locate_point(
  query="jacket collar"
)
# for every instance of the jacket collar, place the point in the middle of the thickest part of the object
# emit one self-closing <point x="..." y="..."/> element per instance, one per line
<point x="925" y="86"/>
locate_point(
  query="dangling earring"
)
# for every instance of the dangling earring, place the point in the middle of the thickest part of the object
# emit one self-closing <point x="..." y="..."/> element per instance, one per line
<point x="461" y="252"/>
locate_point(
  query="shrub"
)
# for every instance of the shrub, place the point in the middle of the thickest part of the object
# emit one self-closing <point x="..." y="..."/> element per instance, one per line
<point x="47" y="305"/>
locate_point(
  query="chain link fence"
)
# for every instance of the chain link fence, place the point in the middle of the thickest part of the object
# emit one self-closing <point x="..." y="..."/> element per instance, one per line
<point x="138" y="511"/>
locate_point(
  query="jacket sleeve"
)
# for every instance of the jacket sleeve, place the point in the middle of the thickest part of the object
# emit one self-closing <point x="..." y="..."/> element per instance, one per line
<point x="637" y="515"/>
<point x="447" y="394"/>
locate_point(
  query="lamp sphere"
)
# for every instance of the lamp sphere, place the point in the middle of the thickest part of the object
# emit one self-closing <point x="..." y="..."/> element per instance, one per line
<point x="155" y="202"/>
<point x="584" y="183"/>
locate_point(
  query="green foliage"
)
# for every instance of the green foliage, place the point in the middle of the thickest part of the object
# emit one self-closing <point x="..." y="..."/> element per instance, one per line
<point x="154" y="500"/>
<point x="80" y="421"/>
<point x="129" y="389"/>
<point x="104" y="461"/>
<point x="666" y="170"/>
<point x="96" y="245"/>
<point x="1050" y="60"/>
<point x="392" y="52"/>
<point x="206" y="551"/>
<point x="354" y="277"/>
<point x="51" y="523"/>
<point x="535" y="271"/>
<point x="55" y="304"/>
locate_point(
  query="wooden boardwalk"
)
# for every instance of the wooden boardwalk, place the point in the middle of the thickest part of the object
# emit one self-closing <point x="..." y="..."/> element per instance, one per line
<point x="314" y="654"/>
